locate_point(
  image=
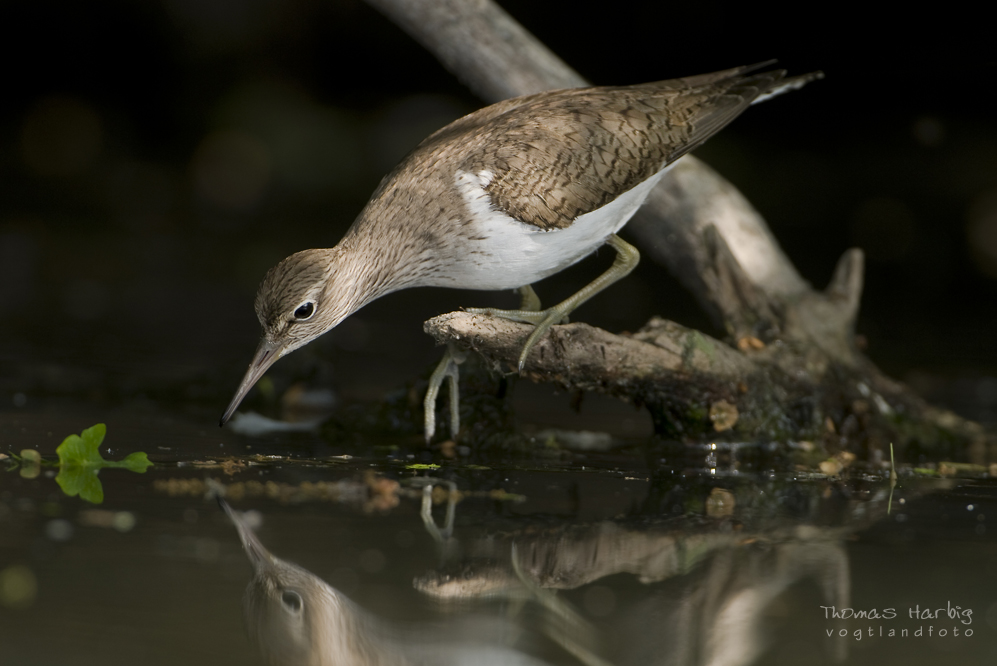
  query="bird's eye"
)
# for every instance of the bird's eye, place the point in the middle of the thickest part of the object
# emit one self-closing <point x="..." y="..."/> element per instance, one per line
<point x="292" y="600"/>
<point x="304" y="311"/>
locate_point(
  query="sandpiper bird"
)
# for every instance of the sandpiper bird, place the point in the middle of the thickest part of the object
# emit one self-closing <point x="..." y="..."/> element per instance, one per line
<point x="500" y="199"/>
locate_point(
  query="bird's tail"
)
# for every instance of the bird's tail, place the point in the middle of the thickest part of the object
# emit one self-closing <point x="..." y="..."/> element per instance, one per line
<point x="761" y="85"/>
<point x="786" y="84"/>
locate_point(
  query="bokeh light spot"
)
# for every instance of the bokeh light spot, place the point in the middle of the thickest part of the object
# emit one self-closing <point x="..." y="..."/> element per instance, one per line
<point x="231" y="170"/>
<point x="981" y="232"/>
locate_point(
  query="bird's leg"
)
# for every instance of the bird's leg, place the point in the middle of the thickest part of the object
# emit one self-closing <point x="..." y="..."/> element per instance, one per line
<point x="627" y="259"/>
<point x="448" y="367"/>
<point x="528" y="299"/>
<point x="530" y="302"/>
<point x="441" y="536"/>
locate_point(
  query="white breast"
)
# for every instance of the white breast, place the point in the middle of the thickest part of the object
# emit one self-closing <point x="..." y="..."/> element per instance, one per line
<point x="504" y="253"/>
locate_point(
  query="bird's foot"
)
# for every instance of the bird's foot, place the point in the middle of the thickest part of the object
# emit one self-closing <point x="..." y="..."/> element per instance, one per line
<point x="534" y="317"/>
<point x="542" y="320"/>
<point x="447" y="368"/>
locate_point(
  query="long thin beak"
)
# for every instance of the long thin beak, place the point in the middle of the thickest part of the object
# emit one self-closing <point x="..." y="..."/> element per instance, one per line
<point x="259" y="556"/>
<point x="266" y="354"/>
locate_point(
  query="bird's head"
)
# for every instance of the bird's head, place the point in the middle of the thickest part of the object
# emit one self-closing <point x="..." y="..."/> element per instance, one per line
<point x="299" y="300"/>
<point x="296" y="301"/>
<point x="292" y="615"/>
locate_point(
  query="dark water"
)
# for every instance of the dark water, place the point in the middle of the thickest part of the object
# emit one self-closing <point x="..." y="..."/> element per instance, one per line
<point x="627" y="560"/>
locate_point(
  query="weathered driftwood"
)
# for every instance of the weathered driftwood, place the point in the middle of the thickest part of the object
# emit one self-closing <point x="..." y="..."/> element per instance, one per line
<point x="789" y="367"/>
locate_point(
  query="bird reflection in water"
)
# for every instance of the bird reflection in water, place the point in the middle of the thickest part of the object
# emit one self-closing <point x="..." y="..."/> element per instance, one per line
<point x="706" y="594"/>
<point x="294" y="617"/>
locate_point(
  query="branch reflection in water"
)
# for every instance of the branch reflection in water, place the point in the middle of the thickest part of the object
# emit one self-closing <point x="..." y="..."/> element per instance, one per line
<point x="714" y="610"/>
<point x="295" y="618"/>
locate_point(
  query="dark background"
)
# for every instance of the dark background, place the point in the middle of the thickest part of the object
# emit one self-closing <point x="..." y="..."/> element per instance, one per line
<point x="157" y="157"/>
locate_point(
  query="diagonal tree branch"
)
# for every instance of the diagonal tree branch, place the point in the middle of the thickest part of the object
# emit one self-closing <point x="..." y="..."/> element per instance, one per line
<point x="484" y="47"/>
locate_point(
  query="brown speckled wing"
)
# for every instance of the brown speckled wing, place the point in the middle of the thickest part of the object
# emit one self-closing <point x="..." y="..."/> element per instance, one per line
<point x="556" y="156"/>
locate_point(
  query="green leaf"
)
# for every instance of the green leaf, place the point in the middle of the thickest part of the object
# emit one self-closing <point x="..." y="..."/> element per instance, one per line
<point x="82" y="481"/>
<point x="73" y="451"/>
<point x="80" y="461"/>
<point x="136" y="462"/>
<point x="94" y="435"/>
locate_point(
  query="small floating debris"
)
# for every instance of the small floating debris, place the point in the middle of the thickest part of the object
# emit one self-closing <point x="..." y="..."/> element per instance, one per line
<point x="252" y="424"/>
<point x="720" y="503"/>
<point x="833" y="466"/>
<point x="122" y="521"/>
<point x="578" y="440"/>
<point x="229" y="466"/>
<point x="949" y="469"/>
<point x="724" y="415"/>
<point x="373" y="492"/>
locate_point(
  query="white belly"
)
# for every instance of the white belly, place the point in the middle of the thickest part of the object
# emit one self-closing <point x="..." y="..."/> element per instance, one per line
<point x="511" y="254"/>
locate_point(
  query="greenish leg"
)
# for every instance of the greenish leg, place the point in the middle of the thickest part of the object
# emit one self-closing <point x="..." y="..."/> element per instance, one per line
<point x="627" y="259"/>
<point x="440" y="536"/>
<point x="530" y="302"/>
<point x="528" y="299"/>
<point x="447" y="368"/>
